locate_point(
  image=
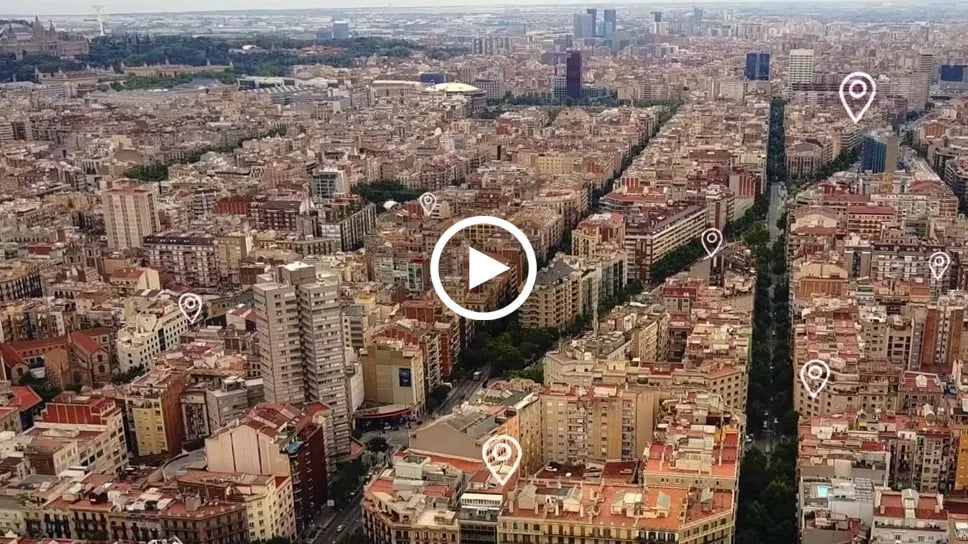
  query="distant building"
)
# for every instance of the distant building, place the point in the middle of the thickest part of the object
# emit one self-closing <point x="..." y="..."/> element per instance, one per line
<point x="593" y="13"/>
<point x="758" y="66"/>
<point x="130" y="214"/>
<point x="801" y="66"/>
<point x="341" y="30"/>
<point x="573" y="75"/>
<point x="583" y="26"/>
<point x="609" y="23"/>
<point x="40" y="41"/>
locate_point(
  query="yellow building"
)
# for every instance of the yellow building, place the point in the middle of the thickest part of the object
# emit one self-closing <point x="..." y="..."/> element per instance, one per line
<point x="153" y="410"/>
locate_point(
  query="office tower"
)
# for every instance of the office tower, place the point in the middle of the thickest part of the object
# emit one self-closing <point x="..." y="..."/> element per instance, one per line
<point x="341" y="30"/>
<point x="593" y="13"/>
<point x="801" y="66"/>
<point x="697" y="14"/>
<point x="130" y="214"/>
<point x="758" y="66"/>
<point x="584" y="26"/>
<point x="609" y="22"/>
<point x="299" y="324"/>
<point x="657" y="16"/>
<point x="879" y="152"/>
<point x="573" y="75"/>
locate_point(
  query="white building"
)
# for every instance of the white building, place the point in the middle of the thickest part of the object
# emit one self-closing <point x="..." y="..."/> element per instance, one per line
<point x="153" y="324"/>
<point x="801" y="66"/>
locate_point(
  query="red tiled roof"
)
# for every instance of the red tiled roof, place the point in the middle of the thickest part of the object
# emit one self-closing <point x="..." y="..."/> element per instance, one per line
<point x="84" y="342"/>
<point x="24" y="397"/>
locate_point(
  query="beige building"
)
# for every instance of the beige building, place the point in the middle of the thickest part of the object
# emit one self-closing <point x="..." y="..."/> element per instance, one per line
<point x="300" y="331"/>
<point x="619" y="513"/>
<point x="410" y="503"/>
<point x="268" y="499"/>
<point x="94" y="424"/>
<point x="602" y="423"/>
<point x="130" y="214"/>
<point x="557" y="298"/>
<point x="393" y="373"/>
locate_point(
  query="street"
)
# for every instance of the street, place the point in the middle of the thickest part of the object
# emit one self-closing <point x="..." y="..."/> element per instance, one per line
<point x="351" y="517"/>
<point x="462" y="391"/>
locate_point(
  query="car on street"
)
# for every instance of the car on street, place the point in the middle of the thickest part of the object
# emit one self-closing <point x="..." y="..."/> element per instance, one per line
<point x="339" y="528"/>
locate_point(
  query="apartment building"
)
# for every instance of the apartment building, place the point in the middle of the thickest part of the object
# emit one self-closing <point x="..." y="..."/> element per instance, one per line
<point x="617" y="512"/>
<point x="130" y="214"/>
<point x="153" y="411"/>
<point x="649" y="236"/>
<point x="282" y="441"/>
<point x="153" y="324"/>
<point x="93" y="423"/>
<point x="299" y="323"/>
<point x="85" y="510"/>
<point x="268" y="500"/>
<point x="184" y="258"/>
<point x="602" y="423"/>
<point x="556" y="299"/>
<point x="412" y="502"/>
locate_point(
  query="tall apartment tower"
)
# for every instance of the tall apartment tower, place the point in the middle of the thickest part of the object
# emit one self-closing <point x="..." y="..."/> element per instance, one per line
<point x="130" y="214"/>
<point x="300" y="331"/>
<point x="801" y="66"/>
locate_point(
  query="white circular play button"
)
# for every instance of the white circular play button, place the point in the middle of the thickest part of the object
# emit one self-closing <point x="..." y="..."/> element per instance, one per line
<point x="483" y="268"/>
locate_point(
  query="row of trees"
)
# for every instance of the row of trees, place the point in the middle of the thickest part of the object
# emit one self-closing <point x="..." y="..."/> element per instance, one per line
<point x="767" y="512"/>
<point x="686" y="255"/>
<point x="507" y="346"/>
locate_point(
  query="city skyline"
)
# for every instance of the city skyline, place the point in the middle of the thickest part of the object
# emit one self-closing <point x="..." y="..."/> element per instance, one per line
<point x="79" y="7"/>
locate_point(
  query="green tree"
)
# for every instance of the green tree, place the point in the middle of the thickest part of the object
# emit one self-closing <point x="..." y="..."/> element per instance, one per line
<point x="436" y="397"/>
<point x="533" y="373"/>
<point x="378" y="444"/>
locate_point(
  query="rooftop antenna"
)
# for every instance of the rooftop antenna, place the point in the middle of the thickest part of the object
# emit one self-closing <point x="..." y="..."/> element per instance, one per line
<point x="97" y="10"/>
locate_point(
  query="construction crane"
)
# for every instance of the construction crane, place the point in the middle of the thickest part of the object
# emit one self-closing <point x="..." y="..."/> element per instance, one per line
<point x="97" y="10"/>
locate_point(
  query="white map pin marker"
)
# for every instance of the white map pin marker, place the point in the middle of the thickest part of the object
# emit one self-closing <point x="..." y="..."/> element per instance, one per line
<point x="428" y="201"/>
<point x="712" y="240"/>
<point x="814" y="376"/>
<point x="857" y="86"/>
<point x="502" y="455"/>
<point x="190" y="305"/>
<point x="939" y="263"/>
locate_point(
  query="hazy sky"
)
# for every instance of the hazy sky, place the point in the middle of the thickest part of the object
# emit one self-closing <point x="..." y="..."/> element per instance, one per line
<point x="70" y="7"/>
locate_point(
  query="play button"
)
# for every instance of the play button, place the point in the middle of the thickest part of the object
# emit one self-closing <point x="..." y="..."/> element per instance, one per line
<point x="483" y="268"/>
